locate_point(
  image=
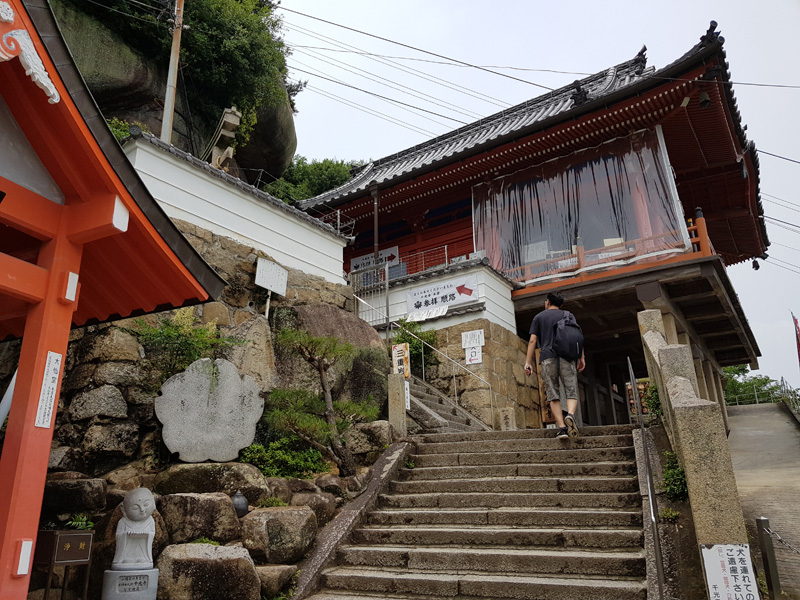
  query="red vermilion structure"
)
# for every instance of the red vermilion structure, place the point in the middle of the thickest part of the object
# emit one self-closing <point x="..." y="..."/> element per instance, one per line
<point x="81" y="241"/>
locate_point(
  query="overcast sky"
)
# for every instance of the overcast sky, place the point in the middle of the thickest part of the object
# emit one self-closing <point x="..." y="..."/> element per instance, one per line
<point x="579" y="37"/>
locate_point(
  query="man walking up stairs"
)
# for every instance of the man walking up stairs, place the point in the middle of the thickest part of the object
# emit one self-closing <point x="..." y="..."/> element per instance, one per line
<point x="501" y="515"/>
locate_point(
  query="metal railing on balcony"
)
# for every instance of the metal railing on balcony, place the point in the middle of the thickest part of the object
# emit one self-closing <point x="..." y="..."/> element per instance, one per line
<point x="371" y="287"/>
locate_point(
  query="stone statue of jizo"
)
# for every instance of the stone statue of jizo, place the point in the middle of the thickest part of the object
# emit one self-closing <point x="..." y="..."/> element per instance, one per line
<point x="135" y="532"/>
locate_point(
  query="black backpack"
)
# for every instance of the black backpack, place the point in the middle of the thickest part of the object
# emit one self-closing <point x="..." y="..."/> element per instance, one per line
<point x="567" y="337"/>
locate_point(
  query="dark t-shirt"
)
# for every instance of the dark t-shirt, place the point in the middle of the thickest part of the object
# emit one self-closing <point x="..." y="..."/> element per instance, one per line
<point x="542" y="328"/>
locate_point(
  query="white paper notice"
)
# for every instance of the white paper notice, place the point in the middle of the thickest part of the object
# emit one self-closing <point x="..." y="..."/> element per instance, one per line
<point x="47" y="397"/>
<point x="729" y="572"/>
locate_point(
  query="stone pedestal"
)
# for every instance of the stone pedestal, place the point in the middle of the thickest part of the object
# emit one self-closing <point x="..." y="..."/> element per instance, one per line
<point x="130" y="585"/>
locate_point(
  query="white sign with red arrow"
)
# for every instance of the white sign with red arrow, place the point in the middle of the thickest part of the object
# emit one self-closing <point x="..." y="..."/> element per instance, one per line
<point x="462" y="290"/>
<point x="390" y="255"/>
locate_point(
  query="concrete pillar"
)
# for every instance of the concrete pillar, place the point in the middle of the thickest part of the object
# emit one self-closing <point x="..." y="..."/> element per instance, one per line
<point x="397" y="403"/>
<point x="717" y="378"/>
<point x="702" y="388"/>
<point x="670" y="328"/>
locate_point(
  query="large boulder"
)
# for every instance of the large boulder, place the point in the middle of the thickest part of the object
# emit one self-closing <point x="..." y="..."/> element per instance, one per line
<point x="73" y="492"/>
<point x="256" y="356"/>
<point x="112" y="345"/>
<point x="192" y="516"/>
<point x="274" y="577"/>
<point x="209" y="411"/>
<point x="280" y="534"/>
<point x="363" y="438"/>
<point x="322" y="503"/>
<point x="213" y="477"/>
<point x="329" y="321"/>
<point x="116" y="438"/>
<point x="207" y="572"/>
<point x="65" y="458"/>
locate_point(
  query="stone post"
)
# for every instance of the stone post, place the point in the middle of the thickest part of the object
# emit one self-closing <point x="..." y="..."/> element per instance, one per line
<point x="397" y="403"/>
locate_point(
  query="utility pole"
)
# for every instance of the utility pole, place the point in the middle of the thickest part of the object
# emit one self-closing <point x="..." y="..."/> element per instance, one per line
<point x="172" y="75"/>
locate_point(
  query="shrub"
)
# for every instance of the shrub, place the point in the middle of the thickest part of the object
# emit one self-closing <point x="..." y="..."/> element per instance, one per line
<point x="205" y="540"/>
<point x="175" y="343"/>
<point x="271" y="502"/>
<point x="675" y="487"/>
<point x="415" y="344"/>
<point x="669" y="516"/>
<point x="651" y="400"/>
<point x="79" y="521"/>
<point x="286" y="457"/>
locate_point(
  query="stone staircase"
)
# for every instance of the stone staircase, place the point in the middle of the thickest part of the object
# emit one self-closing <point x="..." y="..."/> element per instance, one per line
<point x="501" y="515"/>
<point x="437" y="413"/>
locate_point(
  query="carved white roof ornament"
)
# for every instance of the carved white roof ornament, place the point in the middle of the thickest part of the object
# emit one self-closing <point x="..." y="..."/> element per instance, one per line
<point x="17" y="42"/>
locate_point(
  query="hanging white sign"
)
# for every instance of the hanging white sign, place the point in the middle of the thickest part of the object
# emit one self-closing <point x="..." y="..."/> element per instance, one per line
<point x="390" y="255"/>
<point x="443" y="293"/>
<point x="729" y="572"/>
<point x="271" y="276"/>
<point x="408" y="394"/>
<point x="47" y="397"/>
<point x="429" y="313"/>
<point x="474" y="356"/>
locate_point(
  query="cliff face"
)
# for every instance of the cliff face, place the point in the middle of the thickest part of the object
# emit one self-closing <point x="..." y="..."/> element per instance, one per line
<point x="131" y="86"/>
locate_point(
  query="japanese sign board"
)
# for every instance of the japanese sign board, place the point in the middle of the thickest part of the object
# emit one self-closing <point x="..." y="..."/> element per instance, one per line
<point x="470" y="339"/>
<point x="271" y="276"/>
<point x="443" y="293"/>
<point x="47" y="397"/>
<point x="63" y="547"/>
<point x="390" y="255"/>
<point x="474" y="355"/>
<point x="408" y="395"/>
<point x="428" y="313"/>
<point x="400" y="359"/>
<point x="729" y="572"/>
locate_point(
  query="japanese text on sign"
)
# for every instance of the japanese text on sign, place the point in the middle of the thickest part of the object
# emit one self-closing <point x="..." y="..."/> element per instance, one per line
<point x="390" y="255"/>
<point x="729" y="572"/>
<point x="470" y="339"/>
<point x="271" y="276"/>
<point x="47" y="397"/>
<point x="443" y="293"/>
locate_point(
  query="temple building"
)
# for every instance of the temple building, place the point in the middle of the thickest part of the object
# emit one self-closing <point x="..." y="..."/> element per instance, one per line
<point x="633" y="188"/>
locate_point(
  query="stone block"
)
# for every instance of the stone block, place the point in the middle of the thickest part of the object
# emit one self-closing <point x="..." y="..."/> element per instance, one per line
<point x="397" y="403"/>
<point x="362" y="438"/>
<point x="206" y="572"/>
<point x="279" y="535"/>
<point x="130" y="585"/>
<point x="322" y="503"/>
<point x="105" y="401"/>
<point x="117" y="438"/>
<point x="78" y="494"/>
<point x="651" y="320"/>
<point x="705" y="456"/>
<point x="78" y="378"/>
<point x="676" y="360"/>
<point x="216" y="311"/>
<point x="113" y="345"/>
<point x="256" y="356"/>
<point x="122" y="374"/>
<point x="505" y="419"/>
<point x="192" y="516"/>
<point x="278" y="487"/>
<point x="213" y="477"/>
<point x="242" y="315"/>
<point x="65" y="458"/>
<point x="209" y="412"/>
<point x="274" y="578"/>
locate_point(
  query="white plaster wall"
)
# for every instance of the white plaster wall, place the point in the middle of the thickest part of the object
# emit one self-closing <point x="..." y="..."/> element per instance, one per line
<point x="188" y="193"/>
<point x="492" y="289"/>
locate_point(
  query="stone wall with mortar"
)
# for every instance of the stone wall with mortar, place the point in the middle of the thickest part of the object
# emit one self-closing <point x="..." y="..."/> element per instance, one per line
<point x="502" y="367"/>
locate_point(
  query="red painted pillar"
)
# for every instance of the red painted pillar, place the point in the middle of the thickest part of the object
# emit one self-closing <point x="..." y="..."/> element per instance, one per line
<point x="26" y="450"/>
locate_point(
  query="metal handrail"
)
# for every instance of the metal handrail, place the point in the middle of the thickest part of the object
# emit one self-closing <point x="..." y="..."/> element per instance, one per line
<point x="453" y="362"/>
<point x="651" y="493"/>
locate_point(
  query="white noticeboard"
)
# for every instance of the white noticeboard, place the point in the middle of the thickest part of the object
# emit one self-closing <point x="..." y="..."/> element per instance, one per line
<point x="47" y="397"/>
<point x="729" y="572"/>
<point x="470" y="339"/>
<point x="390" y="255"/>
<point x="408" y="395"/>
<point x="474" y="355"/>
<point x="271" y="276"/>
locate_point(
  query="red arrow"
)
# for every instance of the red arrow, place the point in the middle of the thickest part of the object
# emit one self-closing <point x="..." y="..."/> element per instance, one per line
<point x="464" y="290"/>
<point x="390" y="258"/>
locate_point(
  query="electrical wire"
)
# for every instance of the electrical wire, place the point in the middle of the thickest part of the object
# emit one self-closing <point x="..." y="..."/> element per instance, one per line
<point x="781" y="199"/>
<point x="399" y="87"/>
<point x="767" y="262"/>
<point x="785" y="246"/>
<point x="776" y="203"/>
<point x="783" y="262"/>
<point x="416" y="72"/>
<point x="318" y="73"/>
<point x="760" y="151"/>
<point x="382" y="97"/>
<point x="786" y="228"/>
<point x="126" y="14"/>
<point x="784" y="222"/>
<point x="415" y="48"/>
<point x="380" y="115"/>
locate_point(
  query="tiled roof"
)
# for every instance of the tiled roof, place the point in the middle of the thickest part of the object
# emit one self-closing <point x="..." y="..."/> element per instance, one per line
<point x="518" y="120"/>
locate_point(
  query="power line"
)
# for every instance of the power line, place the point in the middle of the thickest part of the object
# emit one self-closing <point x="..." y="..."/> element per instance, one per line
<point x="786" y="228"/>
<point x="766" y="262"/>
<point x="784" y="246"/>
<point x="415" y="48"/>
<point x="781" y="199"/>
<point x="318" y="73"/>
<point x="778" y="156"/>
<point x="399" y="87"/>
<point x="788" y="264"/>
<point x="373" y="112"/>
<point x="124" y="13"/>
<point x="416" y="72"/>
<point x="784" y="222"/>
<point x="776" y="203"/>
<point x="382" y="97"/>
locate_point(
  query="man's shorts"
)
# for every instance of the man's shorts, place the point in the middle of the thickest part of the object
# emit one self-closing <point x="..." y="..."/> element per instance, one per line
<point x="552" y="370"/>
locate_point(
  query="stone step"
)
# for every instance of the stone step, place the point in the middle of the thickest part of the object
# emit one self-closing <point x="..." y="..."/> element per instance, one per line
<point x="489" y="535"/>
<point x="517" y="561"/>
<point x="530" y="517"/>
<point x="522" y="445"/>
<point x="481" y="585"/>
<point x="498" y="500"/>
<point x="586" y="431"/>
<point x="557" y="456"/>
<point x="597" y="469"/>
<point x="517" y="485"/>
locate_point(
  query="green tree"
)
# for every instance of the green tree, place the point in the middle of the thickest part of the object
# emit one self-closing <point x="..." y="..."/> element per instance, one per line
<point x="745" y="387"/>
<point x="231" y="50"/>
<point x="319" y="421"/>
<point x="412" y="333"/>
<point x="303" y="179"/>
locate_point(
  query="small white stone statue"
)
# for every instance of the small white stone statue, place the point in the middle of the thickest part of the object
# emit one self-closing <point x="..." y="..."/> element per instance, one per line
<point x="135" y="532"/>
